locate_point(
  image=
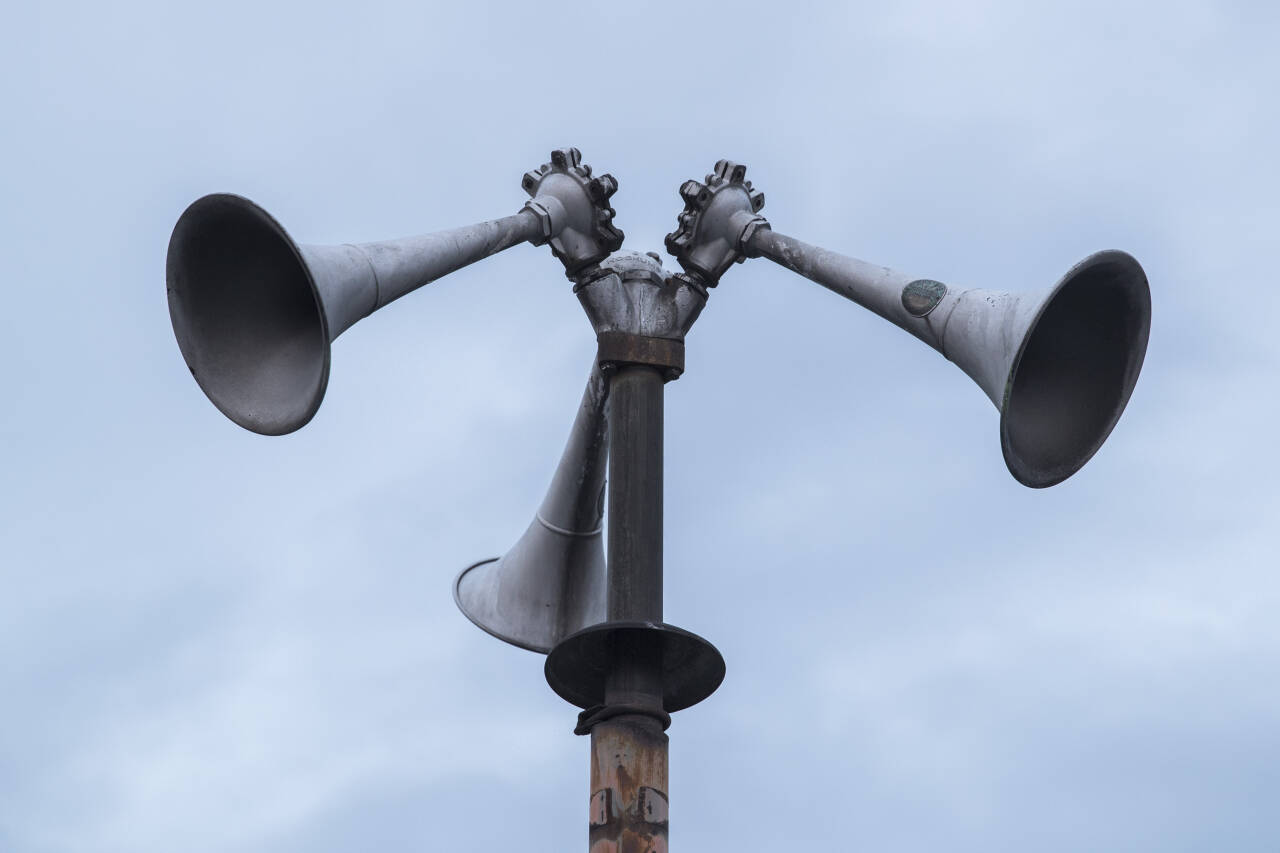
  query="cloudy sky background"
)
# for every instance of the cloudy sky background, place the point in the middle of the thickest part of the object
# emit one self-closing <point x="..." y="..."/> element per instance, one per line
<point x="215" y="641"/>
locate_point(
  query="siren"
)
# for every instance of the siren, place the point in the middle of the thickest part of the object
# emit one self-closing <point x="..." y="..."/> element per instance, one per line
<point x="552" y="581"/>
<point x="1059" y="364"/>
<point x="255" y="312"/>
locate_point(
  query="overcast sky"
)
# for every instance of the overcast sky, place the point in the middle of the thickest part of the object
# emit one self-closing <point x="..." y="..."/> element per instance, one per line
<point x="216" y="641"/>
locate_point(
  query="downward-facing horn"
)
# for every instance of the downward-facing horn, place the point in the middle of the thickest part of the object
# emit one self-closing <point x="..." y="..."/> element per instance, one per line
<point x="255" y="312"/>
<point x="552" y="581"/>
<point x="1059" y="364"/>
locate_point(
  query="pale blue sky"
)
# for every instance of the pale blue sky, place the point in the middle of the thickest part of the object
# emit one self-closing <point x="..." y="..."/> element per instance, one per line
<point x="215" y="641"/>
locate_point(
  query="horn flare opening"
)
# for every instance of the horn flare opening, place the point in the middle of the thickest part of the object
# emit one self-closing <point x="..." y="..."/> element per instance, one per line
<point x="247" y="316"/>
<point x="1076" y="369"/>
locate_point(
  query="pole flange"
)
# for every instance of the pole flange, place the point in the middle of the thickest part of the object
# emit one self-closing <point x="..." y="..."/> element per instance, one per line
<point x="578" y="667"/>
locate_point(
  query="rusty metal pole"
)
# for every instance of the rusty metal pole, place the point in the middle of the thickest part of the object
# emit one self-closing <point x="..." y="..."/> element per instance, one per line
<point x="630" y="672"/>
<point x="629" y="751"/>
<point x="1059" y="365"/>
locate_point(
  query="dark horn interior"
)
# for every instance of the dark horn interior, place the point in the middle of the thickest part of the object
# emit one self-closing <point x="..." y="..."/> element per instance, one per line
<point x="1076" y="370"/>
<point x="246" y="315"/>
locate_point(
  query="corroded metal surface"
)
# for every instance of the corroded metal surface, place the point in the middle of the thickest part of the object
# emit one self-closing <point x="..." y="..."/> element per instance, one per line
<point x="631" y="294"/>
<point x="639" y="312"/>
<point x="628" y="809"/>
<point x="629" y="751"/>
<point x="616" y="348"/>
<point x="922" y="296"/>
<point x="623" y="670"/>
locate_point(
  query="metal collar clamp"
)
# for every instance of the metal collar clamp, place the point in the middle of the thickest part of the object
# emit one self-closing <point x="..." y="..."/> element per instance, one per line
<point x="599" y="713"/>
<point x="640" y="313"/>
<point x="621" y="348"/>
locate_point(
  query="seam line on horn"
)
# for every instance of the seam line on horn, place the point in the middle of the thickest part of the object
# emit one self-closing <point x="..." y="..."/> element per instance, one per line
<point x="942" y="334"/>
<point x="377" y="285"/>
<point x="554" y="529"/>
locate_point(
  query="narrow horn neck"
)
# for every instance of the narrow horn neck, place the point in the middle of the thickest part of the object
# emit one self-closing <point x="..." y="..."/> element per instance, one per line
<point x="382" y="272"/>
<point x="574" y="502"/>
<point x="876" y="288"/>
<point x="923" y="307"/>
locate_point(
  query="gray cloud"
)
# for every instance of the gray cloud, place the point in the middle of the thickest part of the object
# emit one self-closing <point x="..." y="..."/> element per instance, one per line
<point x="234" y="643"/>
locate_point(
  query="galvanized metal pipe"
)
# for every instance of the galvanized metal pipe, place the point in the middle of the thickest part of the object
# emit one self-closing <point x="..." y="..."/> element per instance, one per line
<point x="635" y="494"/>
<point x="629" y="751"/>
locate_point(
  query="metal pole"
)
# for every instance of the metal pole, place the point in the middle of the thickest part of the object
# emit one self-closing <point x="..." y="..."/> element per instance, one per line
<point x="629" y="751"/>
<point x="635" y="494"/>
<point x="242" y="293"/>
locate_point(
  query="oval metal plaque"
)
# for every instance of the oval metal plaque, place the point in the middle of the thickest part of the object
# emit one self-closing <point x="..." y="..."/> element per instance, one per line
<point x="922" y="296"/>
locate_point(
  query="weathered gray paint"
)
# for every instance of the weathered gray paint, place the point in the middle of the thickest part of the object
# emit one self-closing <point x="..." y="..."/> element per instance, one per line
<point x="255" y="313"/>
<point x="718" y="219"/>
<point x="633" y="295"/>
<point x="1087" y="336"/>
<point x="551" y="583"/>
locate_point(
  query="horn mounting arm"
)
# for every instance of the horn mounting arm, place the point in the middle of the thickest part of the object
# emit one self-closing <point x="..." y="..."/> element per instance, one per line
<point x="574" y="210"/>
<point x="719" y="219"/>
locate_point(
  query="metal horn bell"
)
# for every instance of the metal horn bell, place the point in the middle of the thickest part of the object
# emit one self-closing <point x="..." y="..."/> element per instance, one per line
<point x="255" y="312"/>
<point x="552" y="581"/>
<point x="1059" y="364"/>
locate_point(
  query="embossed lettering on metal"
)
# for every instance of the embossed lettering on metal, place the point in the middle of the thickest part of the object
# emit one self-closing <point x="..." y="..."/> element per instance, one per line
<point x="922" y="296"/>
